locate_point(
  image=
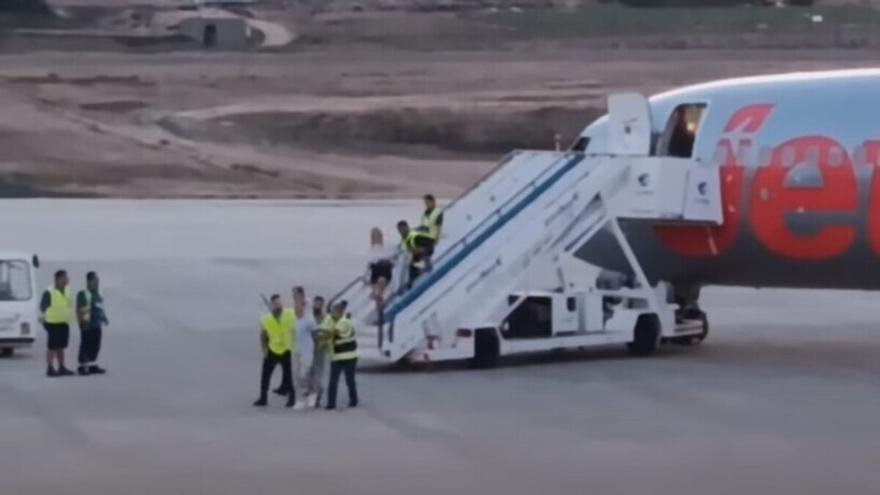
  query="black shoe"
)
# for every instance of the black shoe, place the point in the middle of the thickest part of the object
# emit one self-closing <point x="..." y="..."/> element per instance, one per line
<point x="97" y="370"/>
<point x="51" y="373"/>
<point x="352" y="405"/>
<point x="261" y="403"/>
<point x="65" y="372"/>
<point x="330" y="408"/>
<point x="83" y="371"/>
<point x="280" y="391"/>
<point x="290" y="404"/>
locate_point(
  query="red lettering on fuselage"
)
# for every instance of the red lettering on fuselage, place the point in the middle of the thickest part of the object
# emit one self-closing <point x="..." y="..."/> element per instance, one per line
<point x="772" y="201"/>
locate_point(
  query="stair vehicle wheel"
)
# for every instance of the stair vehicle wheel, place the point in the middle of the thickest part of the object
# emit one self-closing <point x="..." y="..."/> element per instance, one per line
<point x="486" y="348"/>
<point x="7" y="352"/>
<point x="646" y="335"/>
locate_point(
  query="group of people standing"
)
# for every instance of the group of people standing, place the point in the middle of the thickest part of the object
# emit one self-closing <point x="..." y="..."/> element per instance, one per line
<point x="301" y="342"/>
<point x="57" y="314"/>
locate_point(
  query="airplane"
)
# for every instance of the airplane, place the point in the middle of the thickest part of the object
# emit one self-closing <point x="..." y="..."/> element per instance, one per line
<point x="764" y="181"/>
<point x="801" y="200"/>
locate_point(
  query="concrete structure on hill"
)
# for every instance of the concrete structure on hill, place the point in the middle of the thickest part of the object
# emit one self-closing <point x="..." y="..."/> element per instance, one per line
<point x="211" y="28"/>
<point x="216" y="31"/>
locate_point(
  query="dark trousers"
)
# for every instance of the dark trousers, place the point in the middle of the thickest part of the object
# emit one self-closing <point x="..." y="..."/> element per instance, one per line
<point x="269" y="362"/>
<point x="89" y="346"/>
<point x="336" y="368"/>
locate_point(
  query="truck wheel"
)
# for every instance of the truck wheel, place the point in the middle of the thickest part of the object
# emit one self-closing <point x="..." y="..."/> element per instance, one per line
<point x="7" y="352"/>
<point x="646" y="336"/>
<point x="486" y="348"/>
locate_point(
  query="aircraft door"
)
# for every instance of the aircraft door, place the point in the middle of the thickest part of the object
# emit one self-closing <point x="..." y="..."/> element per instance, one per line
<point x="629" y="124"/>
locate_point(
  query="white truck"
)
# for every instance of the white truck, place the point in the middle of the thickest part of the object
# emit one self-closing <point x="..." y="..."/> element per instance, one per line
<point x="19" y="301"/>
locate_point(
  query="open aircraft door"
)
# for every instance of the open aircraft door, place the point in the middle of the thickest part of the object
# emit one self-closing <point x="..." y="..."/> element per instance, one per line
<point x="629" y="131"/>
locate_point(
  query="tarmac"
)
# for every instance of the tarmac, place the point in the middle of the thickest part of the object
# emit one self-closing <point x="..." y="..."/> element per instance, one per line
<point x="783" y="397"/>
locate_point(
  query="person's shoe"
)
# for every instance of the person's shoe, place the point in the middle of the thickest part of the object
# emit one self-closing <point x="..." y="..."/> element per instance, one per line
<point x="352" y="405"/>
<point x="280" y="391"/>
<point x="83" y="371"/>
<point x="261" y="402"/>
<point x="313" y="401"/>
<point x="300" y="406"/>
<point x="65" y="372"/>
<point x="51" y="373"/>
<point x="97" y="370"/>
<point x="330" y="408"/>
<point x="292" y="404"/>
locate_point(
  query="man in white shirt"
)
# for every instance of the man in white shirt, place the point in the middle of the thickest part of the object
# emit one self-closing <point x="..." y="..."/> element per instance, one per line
<point x="302" y="362"/>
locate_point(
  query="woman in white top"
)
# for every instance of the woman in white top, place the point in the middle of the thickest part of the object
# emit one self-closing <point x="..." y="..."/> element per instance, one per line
<point x="381" y="264"/>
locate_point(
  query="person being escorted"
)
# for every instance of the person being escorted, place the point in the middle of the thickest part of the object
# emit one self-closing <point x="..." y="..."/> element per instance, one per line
<point x="277" y="334"/>
<point x="381" y="265"/>
<point x="320" y="350"/>
<point x="344" y="358"/>
<point x="92" y="318"/>
<point x="56" y="309"/>
<point x="304" y="354"/>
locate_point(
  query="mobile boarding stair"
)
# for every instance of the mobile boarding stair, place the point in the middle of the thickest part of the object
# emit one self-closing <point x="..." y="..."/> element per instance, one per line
<point x="532" y="212"/>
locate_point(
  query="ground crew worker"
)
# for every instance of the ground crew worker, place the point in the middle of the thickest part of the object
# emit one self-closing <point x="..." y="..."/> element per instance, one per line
<point x="432" y="220"/>
<point x="344" y="358"/>
<point x="277" y="330"/>
<point x="419" y="245"/>
<point x="92" y="318"/>
<point x="299" y="305"/>
<point x="321" y="349"/>
<point x="56" y="308"/>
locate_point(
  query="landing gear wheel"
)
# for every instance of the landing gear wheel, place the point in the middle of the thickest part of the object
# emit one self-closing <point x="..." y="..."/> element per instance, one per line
<point x="646" y="336"/>
<point x="486" y="348"/>
<point x="698" y="338"/>
<point x="7" y="352"/>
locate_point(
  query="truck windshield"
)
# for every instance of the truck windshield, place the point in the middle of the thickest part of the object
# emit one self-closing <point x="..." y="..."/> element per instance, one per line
<point x="15" y="280"/>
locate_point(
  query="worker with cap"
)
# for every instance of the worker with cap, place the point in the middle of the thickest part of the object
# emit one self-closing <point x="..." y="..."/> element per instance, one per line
<point x="420" y="246"/>
<point x="92" y="318"/>
<point x="56" y="313"/>
<point x="344" y="358"/>
<point x="299" y="307"/>
<point x="432" y="220"/>
<point x="277" y="340"/>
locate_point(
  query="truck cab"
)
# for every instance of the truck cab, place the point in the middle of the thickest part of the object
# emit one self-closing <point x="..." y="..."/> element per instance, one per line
<point x="18" y="301"/>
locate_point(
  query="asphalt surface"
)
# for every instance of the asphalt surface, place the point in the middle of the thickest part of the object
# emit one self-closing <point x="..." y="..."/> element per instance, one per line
<point x="783" y="398"/>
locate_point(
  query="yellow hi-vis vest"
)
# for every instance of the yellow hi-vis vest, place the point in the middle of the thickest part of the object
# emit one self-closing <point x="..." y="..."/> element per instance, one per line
<point x="344" y="340"/>
<point x="60" y="308"/>
<point x="429" y="220"/>
<point x="280" y="332"/>
<point x="409" y="242"/>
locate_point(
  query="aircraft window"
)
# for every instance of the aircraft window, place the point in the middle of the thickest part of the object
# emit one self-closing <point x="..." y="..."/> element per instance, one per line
<point x="860" y="157"/>
<point x="788" y="156"/>
<point x="813" y="156"/>
<point x="744" y="154"/>
<point x="581" y="144"/>
<point x="766" y="156"/>
<point x="835" y="157"/>
<point x="681" y="131"/>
